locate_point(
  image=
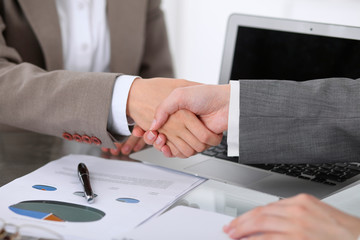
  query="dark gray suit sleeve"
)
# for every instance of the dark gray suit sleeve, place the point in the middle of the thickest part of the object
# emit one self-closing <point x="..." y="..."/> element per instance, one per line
<point x="297" y="122"/>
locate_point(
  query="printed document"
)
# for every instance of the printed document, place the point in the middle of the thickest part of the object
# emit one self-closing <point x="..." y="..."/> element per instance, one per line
<point x="127" y="194"/>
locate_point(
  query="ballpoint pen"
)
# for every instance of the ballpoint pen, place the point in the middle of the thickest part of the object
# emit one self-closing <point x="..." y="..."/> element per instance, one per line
<point x="85" y="181"/>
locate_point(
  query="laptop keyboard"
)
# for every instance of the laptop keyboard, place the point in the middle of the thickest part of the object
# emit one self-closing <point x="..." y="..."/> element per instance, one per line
<point x="325" y="173"/>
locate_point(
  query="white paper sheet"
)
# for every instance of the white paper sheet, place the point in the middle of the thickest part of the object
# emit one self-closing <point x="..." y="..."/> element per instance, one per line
<point x="182" y="223"/>
<point x="154" y="188"/>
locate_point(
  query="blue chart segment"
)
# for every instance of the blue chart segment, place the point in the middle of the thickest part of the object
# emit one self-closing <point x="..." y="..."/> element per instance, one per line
<point x="44" y="188"/>
<point x="57" y="211"/>
<point x="128" y="200"/>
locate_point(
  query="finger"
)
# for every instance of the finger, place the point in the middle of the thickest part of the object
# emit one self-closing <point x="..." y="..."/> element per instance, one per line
<point x="202" y="133"/>
<point x="166" y="151"/>
<point x="105" y="149"/>
<point x="137" y="131"/>
<point x="193" y="144"/>
<point x="129" y="145"/>
<point x="160" y="141"/>
<point x="150" y="137"/>
<point x="139" y="145"/>
<point x="183" y="145"/>
<point x="261" y="224"/>
<point x="174" y="150"/>
<point x="116" y="151"/>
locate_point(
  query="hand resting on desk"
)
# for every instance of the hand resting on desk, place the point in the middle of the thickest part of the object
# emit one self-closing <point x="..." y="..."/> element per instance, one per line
<point x="301" y="217"/>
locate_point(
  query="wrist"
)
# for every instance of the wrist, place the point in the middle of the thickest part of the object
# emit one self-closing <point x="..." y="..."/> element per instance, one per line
<point x="131" y="101"/>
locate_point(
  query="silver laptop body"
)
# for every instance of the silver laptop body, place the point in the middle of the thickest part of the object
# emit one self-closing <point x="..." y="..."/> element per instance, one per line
<point x="248" y="37"/>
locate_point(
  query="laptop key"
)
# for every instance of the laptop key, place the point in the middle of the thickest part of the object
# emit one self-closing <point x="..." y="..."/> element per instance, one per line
<point x="330" y="183"/>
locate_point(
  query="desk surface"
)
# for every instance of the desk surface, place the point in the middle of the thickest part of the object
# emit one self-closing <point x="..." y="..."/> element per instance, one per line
<point x="24" y="152"/>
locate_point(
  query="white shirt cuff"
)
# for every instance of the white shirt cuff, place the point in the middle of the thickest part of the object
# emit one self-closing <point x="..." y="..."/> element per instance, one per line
<point x="118" y="123"/>
<point x="234" y="118"/>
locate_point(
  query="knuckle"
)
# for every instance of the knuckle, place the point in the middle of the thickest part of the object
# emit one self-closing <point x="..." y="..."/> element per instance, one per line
<point x="201" y="147"/>
<point x="189" y="152"/>
<point x="205" y="138"/>
<point x="298" y="210"/>
<point x="304" y="197"/>
<point x="218" y="140"/>
<point x="260" y="222"/>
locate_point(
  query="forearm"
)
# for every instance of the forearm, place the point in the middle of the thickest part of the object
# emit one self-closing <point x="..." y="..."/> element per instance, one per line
<point x="286" y="121"/>
<point x="55" y="102"/>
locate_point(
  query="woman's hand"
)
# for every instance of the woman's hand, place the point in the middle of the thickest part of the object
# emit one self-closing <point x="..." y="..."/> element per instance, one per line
<point x="301" y="217"/>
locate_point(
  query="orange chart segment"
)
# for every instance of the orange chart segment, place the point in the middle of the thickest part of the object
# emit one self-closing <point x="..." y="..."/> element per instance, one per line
<point x="52" y="217"/>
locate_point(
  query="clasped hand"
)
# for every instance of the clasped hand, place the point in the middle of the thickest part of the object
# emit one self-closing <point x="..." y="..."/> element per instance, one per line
<point x="181" y="117"/>
<point x="188" y="117"/>
<point x="179" y="131"/>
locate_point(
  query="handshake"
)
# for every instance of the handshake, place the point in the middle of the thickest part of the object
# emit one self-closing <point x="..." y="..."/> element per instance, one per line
<point x="179" y="117"/>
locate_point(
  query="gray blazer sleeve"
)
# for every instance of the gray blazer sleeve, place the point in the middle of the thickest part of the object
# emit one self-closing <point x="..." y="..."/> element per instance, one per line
<point x="297" y="122"/>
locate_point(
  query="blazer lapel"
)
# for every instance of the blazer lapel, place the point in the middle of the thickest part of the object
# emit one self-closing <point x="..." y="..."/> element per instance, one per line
<point x="44" y="21"/>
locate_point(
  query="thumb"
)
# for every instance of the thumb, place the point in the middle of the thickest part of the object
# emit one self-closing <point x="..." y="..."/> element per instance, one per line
<point x="168" y="106"/>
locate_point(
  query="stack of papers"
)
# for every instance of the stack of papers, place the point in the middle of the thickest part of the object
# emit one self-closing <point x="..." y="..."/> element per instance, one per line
<point x="128" y="194"/>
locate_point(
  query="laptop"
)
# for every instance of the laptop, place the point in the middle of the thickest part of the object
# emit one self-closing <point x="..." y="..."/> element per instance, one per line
<point x="269" y="48"/>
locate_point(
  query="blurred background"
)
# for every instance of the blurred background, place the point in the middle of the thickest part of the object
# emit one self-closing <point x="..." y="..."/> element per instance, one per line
<point x="197" y="28"/>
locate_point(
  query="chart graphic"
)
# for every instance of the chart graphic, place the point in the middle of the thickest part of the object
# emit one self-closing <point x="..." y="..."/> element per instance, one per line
<point x="57" y="211"/>
<point x="44" y="188"/>
<point x="128" y="200"/>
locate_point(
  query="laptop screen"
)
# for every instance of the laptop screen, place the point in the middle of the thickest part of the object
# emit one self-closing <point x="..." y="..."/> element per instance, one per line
<point x="271" y="54"/>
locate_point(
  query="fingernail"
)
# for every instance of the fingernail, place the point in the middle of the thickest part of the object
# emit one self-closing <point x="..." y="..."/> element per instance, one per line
<point x="126" y="149"/>
<point x="158" y="141"/>
<point x="153" y="124"/>
<point x="150" y="135"/>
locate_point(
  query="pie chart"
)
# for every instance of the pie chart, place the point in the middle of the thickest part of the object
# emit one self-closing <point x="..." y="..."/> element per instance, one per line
<point x="44" y="188"/>
<point x="57" y="211"/>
